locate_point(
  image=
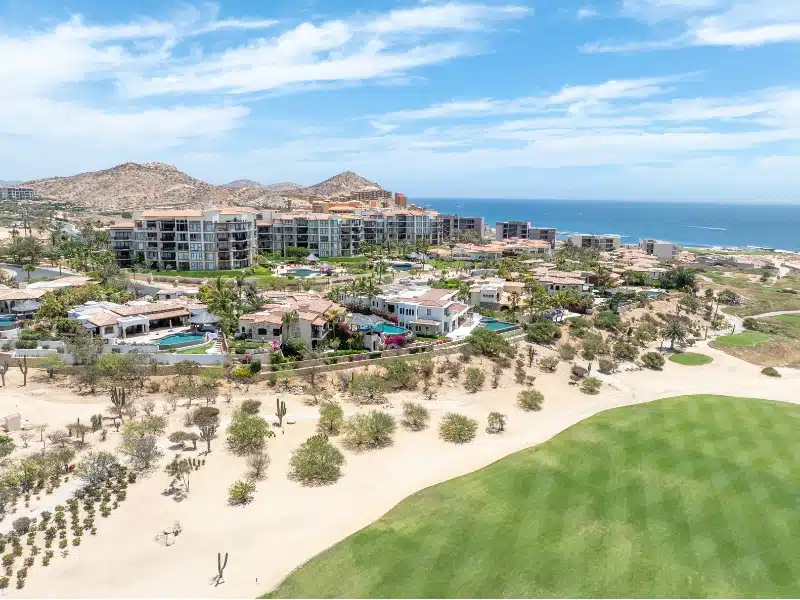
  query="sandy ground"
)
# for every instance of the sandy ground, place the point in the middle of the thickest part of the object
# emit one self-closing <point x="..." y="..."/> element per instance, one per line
<point x="287" y="523"/>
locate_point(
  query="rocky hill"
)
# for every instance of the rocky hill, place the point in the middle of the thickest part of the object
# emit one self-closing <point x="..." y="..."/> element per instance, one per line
<point x="132" y="186"/>
<point x="339" y="185"/>
<point x="241" y="183"/>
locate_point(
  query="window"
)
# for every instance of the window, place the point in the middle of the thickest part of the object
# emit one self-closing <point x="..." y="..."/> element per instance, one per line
<point x="108" y="329"/>
<point x="429" y="311"/>
<point x="262" y="331"/>
<point x="276" y="332"/>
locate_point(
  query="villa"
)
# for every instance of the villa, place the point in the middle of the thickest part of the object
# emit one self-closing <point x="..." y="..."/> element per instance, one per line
<point x="112" y="321"/>
<point x="660" y="249"/>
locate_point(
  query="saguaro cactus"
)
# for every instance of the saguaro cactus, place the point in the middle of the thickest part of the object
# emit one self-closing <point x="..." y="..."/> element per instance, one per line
<point x="221" y="567"/>
<point x="280" y="411"/>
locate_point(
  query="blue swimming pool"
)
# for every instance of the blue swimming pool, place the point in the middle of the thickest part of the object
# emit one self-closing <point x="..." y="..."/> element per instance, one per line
<point x="7" y="319"/>
<point x="304" y="272"/>
<point x="495" y="325"/>
<point x="178" y="340"/>
<point x="390" y="329"/>
<point x="401" y="266"/>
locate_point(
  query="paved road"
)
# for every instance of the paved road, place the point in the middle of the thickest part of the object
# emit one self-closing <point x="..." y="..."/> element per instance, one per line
<point x="39" y="273"/>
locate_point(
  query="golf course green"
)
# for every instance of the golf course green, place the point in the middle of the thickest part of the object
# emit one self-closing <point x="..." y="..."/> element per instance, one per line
<point x="695" y="496"/>
<point x="691" y="359"/>
<point x="745" y="338"/>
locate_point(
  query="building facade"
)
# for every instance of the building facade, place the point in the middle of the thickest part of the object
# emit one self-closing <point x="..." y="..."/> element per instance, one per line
<point x="454" y="223"/>
<point x="604" y="242"/>
<point x="523" y="230"/>
<point x="188" y="240"/>
<point x="660" y="249"/>
<point x="17" y="193"/>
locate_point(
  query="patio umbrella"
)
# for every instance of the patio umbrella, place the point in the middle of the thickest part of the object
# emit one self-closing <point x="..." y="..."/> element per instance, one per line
<point x="27" y="306"/>
<point x="204" y="318"/>
<point x="311" y="258"/>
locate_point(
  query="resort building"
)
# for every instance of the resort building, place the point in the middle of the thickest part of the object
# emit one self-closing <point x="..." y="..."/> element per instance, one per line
<point x="187" y="240"/>
<point x="111" y="321"/>
<point x="496" y="294"/>
<point x="558" y="281"/>
<point x="452" y="224"/>
<point x="605" y="242"/>
<point x="308" y="317"/>
<point x="17" y="193"/>
<point x="525" y="231"/>
<point x="660" y="249"/>
<point x="495" y="250"/>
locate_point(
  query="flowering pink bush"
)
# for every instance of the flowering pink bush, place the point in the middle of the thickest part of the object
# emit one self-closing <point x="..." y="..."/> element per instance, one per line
<point x="395" y="340"/>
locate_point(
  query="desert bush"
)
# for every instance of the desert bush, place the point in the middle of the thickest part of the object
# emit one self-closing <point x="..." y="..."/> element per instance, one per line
<point x="457" y="429"/>
<point x="369" y="430"/>
<point x="367" y="389"/>
<point x="625" y="351"/>
<point x="331" y="419"/>
<point x="153" y="386"/>
<point x="653" y="360"/>
<point x="316" y="461"/>
<point x="241" y="492"/>
<point x="250" y="406"/>
<point x="770" y="372"/>
<point x="21" y="525"/>
<point x="415" y="416"/>
<point x="567" y="351"/>
<point x="751" y="324"/>
<point x="257" y="464"/>
<point x="591" y="385"/>
<point x="608" y="320"/>
<point x="549" y="364"/>
<point x="543" y="332"/>
<point x="399" y="375"/>
<point x="496" y="422"/>
<point x="489" y="343"/>
<point x="606" y="366"/>
<point x="578" y="372"/>
<point x="247" y="433"/>
<point x="530" y="400"/>
<point x="474" y="379"/>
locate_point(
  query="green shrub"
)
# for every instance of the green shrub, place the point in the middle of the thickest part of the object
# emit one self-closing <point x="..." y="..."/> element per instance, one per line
<point x="369" y="430"/>
<point x="549" y="364"/>
<point x="625" y="351"/>
<point x="496" y="422"/>
<point x="530" y="400"/>
<point x="241" y="492"/>
<point x="331" y="419"/>
<point x="415" y="416"/>
<point x="653" y="360"/>
<point x="316" y="462"/>
<point x="606" y="366"/>
<point x="489" y="343"/>
<point x="608" y="320"/>
<point x="474" y="379"/>
<point x="543" y="332"/>
<point x="457" y="429"/>
<point x="567" y="351"/>
<point x="770" y="372"/>
<point x="399" y="375"/>
<point x="591" y="385"/>
<point x="251" y="407"/>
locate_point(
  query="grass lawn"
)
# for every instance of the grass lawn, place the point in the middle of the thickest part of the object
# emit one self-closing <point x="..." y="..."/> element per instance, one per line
<point x="745" y="338"/>
<point x="199" y="350"/>
<point x="759" y="297"/>
<point x="691" y="359"/>
<point x="682" y="497"/>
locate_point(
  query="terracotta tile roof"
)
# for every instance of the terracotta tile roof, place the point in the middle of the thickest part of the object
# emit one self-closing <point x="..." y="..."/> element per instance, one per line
<point x="436" y="294"/>
<point x="103" y="318"/>
<point x="457" y="307"/>
<point x="169" y="314"/>
<point x="146" y="309"/>
<point x="424" y="322"/>
<point x="21" y="294"/>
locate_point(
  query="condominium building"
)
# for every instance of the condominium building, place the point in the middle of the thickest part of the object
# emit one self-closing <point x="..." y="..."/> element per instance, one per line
<point x="525" y="231"/>
<point x="17" y="193"/>
<point x="604" y="242"/>
<point x="660" y="249"/>
<point x="454" y="223"/>
<point x="188" y="240"/>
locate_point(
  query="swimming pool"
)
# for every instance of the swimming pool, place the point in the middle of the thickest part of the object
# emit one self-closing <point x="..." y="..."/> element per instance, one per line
<point x="390" y="329"/>
<point x="179" y="340"/>
<point x="495" y="325"/>
<point x="7" y="319"/>
<point x="401" y="266"/>
<point x="304" y="272"/>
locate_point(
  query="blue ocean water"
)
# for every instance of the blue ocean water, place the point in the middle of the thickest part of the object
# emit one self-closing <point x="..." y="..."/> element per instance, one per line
<point x="687" y="224"/>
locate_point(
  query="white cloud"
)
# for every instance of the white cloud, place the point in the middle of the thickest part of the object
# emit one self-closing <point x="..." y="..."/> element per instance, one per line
<point x="734" y="23"/>
<point x="587" y="12"/>
<point x="444" y="16"/>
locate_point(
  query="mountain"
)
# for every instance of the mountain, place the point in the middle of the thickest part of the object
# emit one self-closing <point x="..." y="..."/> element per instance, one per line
<point x="339" y="185"/>
<point x="241" y="183"/>
<point x="132" y="186"/>
<point x="282" y="188"/>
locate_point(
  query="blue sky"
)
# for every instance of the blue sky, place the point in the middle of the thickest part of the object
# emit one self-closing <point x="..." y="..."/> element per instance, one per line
<point x="612" y="99"/>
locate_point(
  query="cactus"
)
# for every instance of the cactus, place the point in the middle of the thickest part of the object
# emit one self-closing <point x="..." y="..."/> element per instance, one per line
<point x="220" y="568"/>
<point x="280" y="411"/>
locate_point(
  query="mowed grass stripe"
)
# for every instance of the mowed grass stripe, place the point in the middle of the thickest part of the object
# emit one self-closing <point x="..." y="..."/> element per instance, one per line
<point x="677" y="497"/>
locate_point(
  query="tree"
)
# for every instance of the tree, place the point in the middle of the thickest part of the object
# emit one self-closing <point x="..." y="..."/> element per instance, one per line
<point x="542" y="332"/>
<point x="371" y="430"/>
<point x="625" y="351"/>
<point x="496" y="422"/>
<point x="180" y="469"/>
<point x="674" y="331"/>
<point x="457" y="429"/>
<point x="52" y="363"/>
<point x="206" y="419"/>
<point x="591" y="385"/>
<point x="530" y="400"/>
<point x="489" y="343"/>
<point x="399" y="375"/>
<point x="331" y="419"/>
<point x="474" y="379"/>
<point x="415" y="416"/>
<point x="241" y="493"/>
<point x="139" y="441"/>
<point x="122" y="376"/>
<point x="316" y="462"/>
<point x="80" y="430"/>
<point x="6" y="446"/>
<point x="653" y="360"/>
<point x="367" y="389"/>
<point x="247" y="433"/>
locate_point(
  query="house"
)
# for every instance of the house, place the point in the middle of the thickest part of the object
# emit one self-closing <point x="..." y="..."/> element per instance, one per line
<point x="111" y="321"/>
<point x="496" y="293"/>
<point x="558" y="281"/>
<point x="306" y="316"/>
<point x="10" y="297"/>
<point x="175" y="293"/>
<point x="660" y="249"/>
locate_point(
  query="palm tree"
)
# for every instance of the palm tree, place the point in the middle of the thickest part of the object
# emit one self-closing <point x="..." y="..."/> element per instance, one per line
<point x="674" y="331"/>
<point x="28" y="268"/>
<point x="370" y="290"/>
<point x="513" y="301"/>
<point x="290" y="319"/>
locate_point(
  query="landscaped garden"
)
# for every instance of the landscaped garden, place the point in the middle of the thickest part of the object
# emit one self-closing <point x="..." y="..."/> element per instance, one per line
<point x="676" y="498"/>
<point x="691" y="359"/>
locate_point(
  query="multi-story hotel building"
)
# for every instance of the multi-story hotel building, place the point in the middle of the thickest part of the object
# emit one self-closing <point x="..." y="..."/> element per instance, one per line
<point x="453" y="223"/>
<point x="505" y="230"/>
<point x="605" y="242"/>
<point x="17" y="193"/>
<point x="188" y="240"/>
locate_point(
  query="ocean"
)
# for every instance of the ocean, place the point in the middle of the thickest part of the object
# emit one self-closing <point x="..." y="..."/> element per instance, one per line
<point x="687" y="224"/>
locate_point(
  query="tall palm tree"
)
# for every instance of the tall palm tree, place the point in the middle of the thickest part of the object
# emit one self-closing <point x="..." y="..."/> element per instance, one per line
<point x="674" y="331"/>
<point x="513" y="301"/>
<point x="290" y="320"/>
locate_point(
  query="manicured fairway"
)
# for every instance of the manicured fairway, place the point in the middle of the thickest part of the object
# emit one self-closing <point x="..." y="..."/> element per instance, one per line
<point x="694" y="496"/>
<point x="746" y="338"/>
<point x="691" y="359"/>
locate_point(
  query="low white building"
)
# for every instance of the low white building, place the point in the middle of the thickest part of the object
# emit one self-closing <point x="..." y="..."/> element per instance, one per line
<point x="660" y="249"/>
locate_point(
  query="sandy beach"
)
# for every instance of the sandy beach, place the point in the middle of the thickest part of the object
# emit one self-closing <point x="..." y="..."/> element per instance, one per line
<point x="287" y="523"/>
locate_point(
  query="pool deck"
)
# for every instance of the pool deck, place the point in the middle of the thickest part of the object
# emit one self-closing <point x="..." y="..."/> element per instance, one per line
<point x="465" y="329"/>
<point x="151" y="337"/>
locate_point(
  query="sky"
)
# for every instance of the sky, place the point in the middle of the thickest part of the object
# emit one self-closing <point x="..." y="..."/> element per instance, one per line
<point x="580" y="99"/>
